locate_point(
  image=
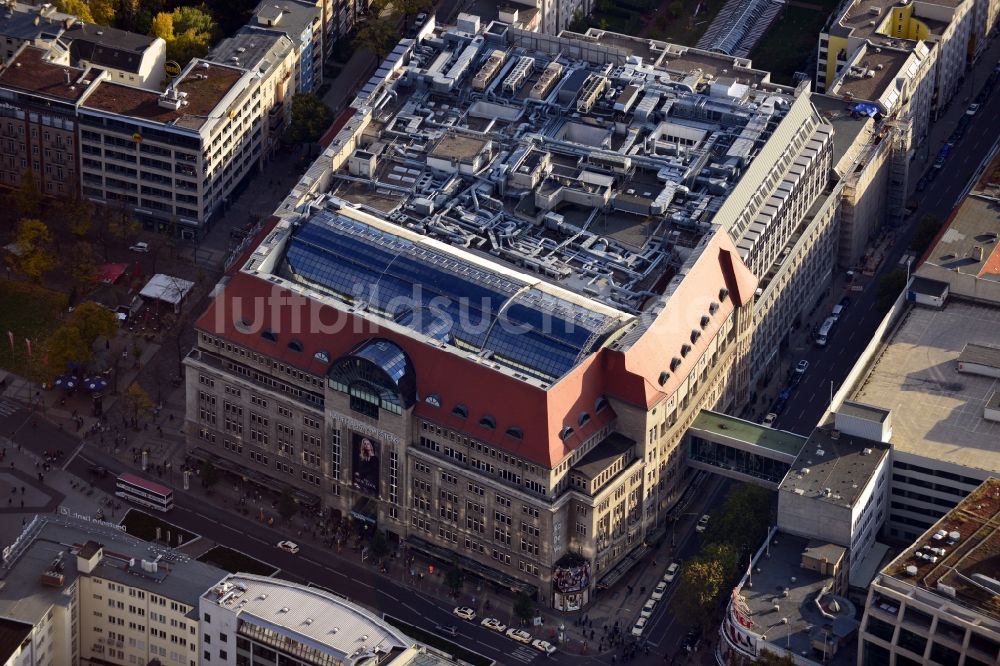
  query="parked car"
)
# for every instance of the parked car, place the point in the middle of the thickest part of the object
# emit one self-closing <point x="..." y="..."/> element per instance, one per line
<point x="99" y="472"/>
<point x="672" y="572"/>
<point x="971" y="111"/>
<point x="494" y="624"/>
<point x="543" y="646"/>
<point x="519" y="635"/>
<point x="691" y="640"/>
<point x="769" y="419"/>
<point x="702" y="524"/>
<point x="801" y="367"/>
<point x="640" y="625"/>
<point x="845" y="302"/>
<point x="661" y="587"/>
<point x="464" y="613"/>
<point x="141" y="246"/>
<point x="647" y="609"/>
<point x="289" y="547"/>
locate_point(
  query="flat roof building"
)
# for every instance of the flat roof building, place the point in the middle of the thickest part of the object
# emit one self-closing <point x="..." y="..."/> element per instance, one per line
<point x="533" y="296"/>
<point x="939" y="600"/>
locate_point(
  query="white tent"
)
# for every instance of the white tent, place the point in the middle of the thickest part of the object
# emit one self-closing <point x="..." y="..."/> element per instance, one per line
<point x="167" y="288"/>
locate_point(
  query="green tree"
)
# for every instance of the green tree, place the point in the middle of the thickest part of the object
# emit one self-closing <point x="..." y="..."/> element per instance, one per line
<point x="81" y="263"/>
<point x="744" y="520"/>
<point x="94" y="321"/>
<point x="287" y="506"/>
<point x="104" y="11"/>
<point x="702" y="582"/>
<point x="310" y="118"/>
<point x="33" y="257"/>
<point x="378" y="35"/>
<point x="408" y="8"/>
<point x="163" y="27"/>
<point x="194" y="18"/>
<point x="524" y="607"/>
<point x="927" y="230"/>
<point x="77" y="8"/>
<point x="63" y="347"/>
<point x="454" y="578"/>
<point x="188" y="45"/>
<point x="888" y="289"/>
<point x="28" y="195"/>
<point x="769" y="658"/>
<point x="122" y="224"/>
<point x="209" y="474"/>
<point x="138" y="404"/>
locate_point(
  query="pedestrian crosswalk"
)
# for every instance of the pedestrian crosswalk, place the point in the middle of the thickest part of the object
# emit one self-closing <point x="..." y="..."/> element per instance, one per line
<point x="524" y="654"/>
<point x="7" y="408"/>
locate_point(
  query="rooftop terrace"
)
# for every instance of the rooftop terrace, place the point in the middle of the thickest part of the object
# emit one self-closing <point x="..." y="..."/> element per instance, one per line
<point x="202" y="86"/>
<point x="952" y="558"/>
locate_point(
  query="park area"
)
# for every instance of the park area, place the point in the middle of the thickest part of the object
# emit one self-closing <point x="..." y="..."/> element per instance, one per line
<point x="677" y="21"/>
<point x="27" y="312"/>
<point x="791" y="42"/>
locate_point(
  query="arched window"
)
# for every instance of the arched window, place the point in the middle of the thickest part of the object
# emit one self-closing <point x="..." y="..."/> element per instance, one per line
<point x="565" y="433"/>
<point x="295" y="345"/>
<point x="515" y="432"/>
<point x="488" y="422"/>
<point x="584" y="417"/>
<point x="461" y="411"/>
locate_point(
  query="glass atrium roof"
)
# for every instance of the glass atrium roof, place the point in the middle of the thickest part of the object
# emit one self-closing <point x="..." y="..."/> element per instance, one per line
<point x="443" y="297"/>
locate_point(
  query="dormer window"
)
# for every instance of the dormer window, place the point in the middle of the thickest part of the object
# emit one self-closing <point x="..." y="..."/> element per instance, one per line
<point x="601" y="403"/>
<point x="295" y="345"/>
<point x="322" y="356"/>
<point x="565" y="433"/>
<point x="685" y="349"/>
<point x="488" y="422"/>
<point x="674" y="362"/>
<point x="584" y="418"/>
<point x="461" y="411"/>
<point x="713" y="307"/>
<point x="664" y="376"/>
<point x="723" y="294"/>
<point x="704" y="322"/>
<point x="694" y="336"/>
<point x="433" y="400"/>
<point x="515" y="432"/>
<point x="270" y="335"/>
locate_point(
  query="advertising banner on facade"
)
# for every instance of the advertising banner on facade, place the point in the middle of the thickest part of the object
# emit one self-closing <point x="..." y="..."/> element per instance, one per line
<point x="365" y="463"/>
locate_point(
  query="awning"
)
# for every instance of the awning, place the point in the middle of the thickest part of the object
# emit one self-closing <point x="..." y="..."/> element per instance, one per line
<point x="365" y="510"/>
<point x="471" y="566"/>
<point x="166" y="288"/>
<point x="110" y="273"/>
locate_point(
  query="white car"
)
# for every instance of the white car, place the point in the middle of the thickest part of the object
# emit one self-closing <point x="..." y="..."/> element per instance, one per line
<point x="647" y="610"/>
<point x="702" y="524"/>
<point x="464" y="613"/>
<point x="519" y="635"/>
<point x="657" y="594"/>
<point x="543" y="646"/>
<point x="672" y="571"/>
<point x="971" y="111"/>
<point x="769" y="420"/>
<point x="639" y="627"/>
<point x="802" y="365"/>
<point x="494" y="624"/>
<point x="141" y="246"/>
<point x="289" y="546"/>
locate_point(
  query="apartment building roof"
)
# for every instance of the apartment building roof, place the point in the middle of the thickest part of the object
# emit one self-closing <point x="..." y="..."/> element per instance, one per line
<point x="202" y="86"/>
<point x="872" y="73"/>
<point x="834" y="466"/>
<point x="50" y="545"/>
<point x="108" y="47"/>
<point x="865" y="18"/>
<point x="937" y="411"/>
<point x="968" y="244"/>
<point x="30" y="72"/>
<point x="956" y="559"/>
<point x="813" y="614"/>
<point x="24" y="22"/>
<point x="291" y="17"/>
<point x="252" y="47"/>
<point x="320" y="621"/>
<point x="12" y="635"/>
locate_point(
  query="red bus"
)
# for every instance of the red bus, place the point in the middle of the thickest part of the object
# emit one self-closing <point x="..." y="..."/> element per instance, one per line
<point x="144" y="493"/>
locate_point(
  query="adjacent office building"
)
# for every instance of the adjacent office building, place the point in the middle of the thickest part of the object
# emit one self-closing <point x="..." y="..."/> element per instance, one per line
<point x="937" y="601"/>
<point x="302" y="22"/>
<point x="486" y="315"/>
<point x="176" y="154"/>
<point x="77" y="590"/>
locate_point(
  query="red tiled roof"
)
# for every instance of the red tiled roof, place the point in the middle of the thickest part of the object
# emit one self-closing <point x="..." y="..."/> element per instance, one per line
<point x="336" y="126"/>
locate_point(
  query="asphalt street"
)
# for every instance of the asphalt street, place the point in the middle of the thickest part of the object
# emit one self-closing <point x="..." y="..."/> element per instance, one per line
<point x="828" y="366"/>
